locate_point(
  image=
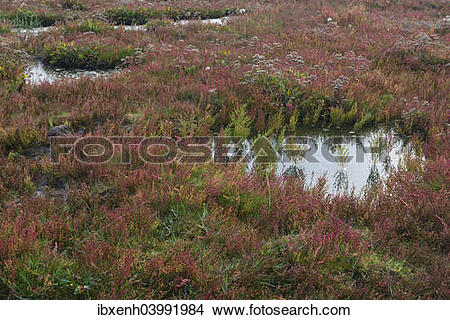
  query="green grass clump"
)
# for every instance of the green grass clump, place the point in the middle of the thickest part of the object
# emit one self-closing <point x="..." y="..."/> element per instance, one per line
<point x="186" y="14"/>
<point x="73" y="5"/>
<point x="31" y="19"/>
<point x="127" y="16"/>
<point x="87" y="26"/>
<point x="430" y="59"/>
<point x="5" y="29"/>
<point x="414" y="122"/>
<point x="12" y="76"/>
<point x="240" y="123"/>
<point x="339" y="117"/>
<point x="89" y="57"/>
<point x="140" y="16"/>
<point x="21" y="138"/>
<point x="157" y="23"/>
<point x="310" y="108"/>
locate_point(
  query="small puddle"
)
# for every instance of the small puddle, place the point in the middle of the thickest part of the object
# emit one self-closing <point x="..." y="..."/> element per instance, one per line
<point x="31" y="31"/>
<point x="132" y="28"/>
<point x="346" y="160"/>
<point x="38" y="74"/>
<point x="219" y="21"/>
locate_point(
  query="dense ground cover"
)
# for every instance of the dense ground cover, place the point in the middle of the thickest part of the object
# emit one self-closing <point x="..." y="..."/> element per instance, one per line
<point x="70" y="230"/>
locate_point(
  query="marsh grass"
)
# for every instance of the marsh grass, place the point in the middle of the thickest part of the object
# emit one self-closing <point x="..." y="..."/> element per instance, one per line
<point x="5" y="29"/>
<point x="127" y="16"/>
<point x="156" y="24"/>
<point x="20" y="139"/>
<point x="209" y="231"/>
<point x="73" y="5"/>
<point x="310" y="108"/>
<point x="12" y="74"/>
<point x="140" y="16"/>
<point x="87" y="25"/>
<point x="90" y="56"/>
<point x="31" y="19"/>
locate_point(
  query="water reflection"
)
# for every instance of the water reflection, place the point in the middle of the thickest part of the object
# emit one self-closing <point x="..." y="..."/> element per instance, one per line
<point x="347" y="161"/>
<point x="340" y="178"/>
<point x="38" y="74"/>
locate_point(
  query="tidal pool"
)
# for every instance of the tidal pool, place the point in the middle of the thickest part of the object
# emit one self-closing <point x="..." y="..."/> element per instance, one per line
<point x="347" y="160"/>
<point x="37" y="74"/>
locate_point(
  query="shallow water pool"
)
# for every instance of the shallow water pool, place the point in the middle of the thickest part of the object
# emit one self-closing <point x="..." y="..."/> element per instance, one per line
<point x="37" y="74"/>
<point x="346" y="159"/>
